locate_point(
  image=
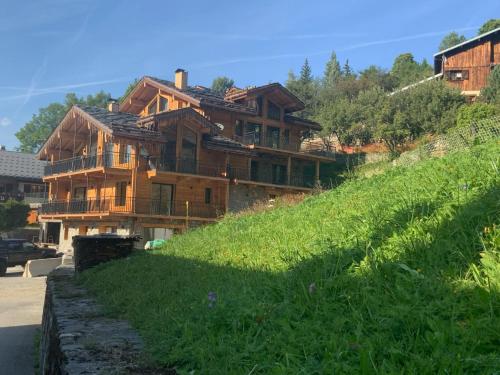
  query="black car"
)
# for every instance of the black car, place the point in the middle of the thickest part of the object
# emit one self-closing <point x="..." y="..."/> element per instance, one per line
<point x="17" y="252"/>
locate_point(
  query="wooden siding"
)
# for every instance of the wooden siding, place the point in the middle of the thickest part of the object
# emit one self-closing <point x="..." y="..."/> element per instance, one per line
<point x="478" y="60"/>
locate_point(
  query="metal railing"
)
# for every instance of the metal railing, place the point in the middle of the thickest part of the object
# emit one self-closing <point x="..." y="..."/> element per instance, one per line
<point x="131" y="205"/>
<point x="299" y="180"/>
<point x="38" y="197"/>
<point x="187" y="166"/>
<point x="83" y="162"/>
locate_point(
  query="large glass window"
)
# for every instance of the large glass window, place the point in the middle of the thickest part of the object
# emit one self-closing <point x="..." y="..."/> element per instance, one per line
<point x="273" y="111"/>
<point x="121" y="193"/>
<point x="162" y="195"/>
<point x="163" y="104"/>
<point x="152" y="108"/>
<point x="279" y="174"/>
<point x="253" y="133"/>
<point x="273" y="137"/>
<point x="238" y="128"/>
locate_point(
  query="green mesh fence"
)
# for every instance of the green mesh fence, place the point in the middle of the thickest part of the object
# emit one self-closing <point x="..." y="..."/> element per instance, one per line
<point x="456" y="139"/>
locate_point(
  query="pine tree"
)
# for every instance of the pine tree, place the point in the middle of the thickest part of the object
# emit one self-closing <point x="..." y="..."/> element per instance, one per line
<point x="333" y="72"/>
<point x="347" y="70"/>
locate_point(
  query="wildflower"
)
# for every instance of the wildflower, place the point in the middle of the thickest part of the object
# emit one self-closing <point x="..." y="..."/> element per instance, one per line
<point x="212" y="299"/>
<point x="465" y="186"/>
<point x="312" y="288"/>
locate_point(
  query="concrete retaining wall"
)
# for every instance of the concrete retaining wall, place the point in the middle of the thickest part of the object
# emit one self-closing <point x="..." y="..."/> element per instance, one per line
<point x="41" y="267"/>
<point x="78" y="339"/>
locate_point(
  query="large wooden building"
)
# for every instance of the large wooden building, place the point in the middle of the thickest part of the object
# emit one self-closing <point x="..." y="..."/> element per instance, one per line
<point x="467" y="65"/>
<point x="173" y="156"/>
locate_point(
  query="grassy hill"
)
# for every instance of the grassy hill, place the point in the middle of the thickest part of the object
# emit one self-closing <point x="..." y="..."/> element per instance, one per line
<point x="398" y="273"/>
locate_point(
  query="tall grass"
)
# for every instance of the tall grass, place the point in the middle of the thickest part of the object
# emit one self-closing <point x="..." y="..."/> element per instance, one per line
<point x="398" y="273"/>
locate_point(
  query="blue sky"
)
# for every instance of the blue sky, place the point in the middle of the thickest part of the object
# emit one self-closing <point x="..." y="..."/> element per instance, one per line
<point x="51" y="47"/>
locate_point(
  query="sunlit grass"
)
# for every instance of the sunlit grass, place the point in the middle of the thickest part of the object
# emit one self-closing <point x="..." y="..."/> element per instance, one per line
<point x="397" y="273"/>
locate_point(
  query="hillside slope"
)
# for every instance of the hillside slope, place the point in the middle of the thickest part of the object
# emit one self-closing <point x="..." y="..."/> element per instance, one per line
<point x="396" y="273"/>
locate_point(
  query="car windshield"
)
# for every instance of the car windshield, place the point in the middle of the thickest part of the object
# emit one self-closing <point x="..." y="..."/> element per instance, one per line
<point x="28" y="246"/>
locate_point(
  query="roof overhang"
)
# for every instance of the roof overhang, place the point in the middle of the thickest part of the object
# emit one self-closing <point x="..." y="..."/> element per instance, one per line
<point x="281" y="95"/>
<point x="472" y="40"/>
<point x="146" y="88"/>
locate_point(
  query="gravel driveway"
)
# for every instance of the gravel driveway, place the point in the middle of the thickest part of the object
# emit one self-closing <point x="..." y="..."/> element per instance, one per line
<point x="21" y="305"/>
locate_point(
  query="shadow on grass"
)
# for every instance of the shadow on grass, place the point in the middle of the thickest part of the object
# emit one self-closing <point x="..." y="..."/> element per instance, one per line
<point x="350" y="310"/>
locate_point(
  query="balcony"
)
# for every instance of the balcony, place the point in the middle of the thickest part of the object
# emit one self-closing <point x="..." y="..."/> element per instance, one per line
<point x="188" y="166"/>
<point x="140" y="206"/>
<point x="80" y="163"/>
<point x="257" y="140"/>
<point x="28" y="198"/>
<point x="303" y="181"/>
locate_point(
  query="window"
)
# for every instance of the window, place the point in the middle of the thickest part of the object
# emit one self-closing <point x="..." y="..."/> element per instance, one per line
<point x="279" y="174"/>
<point x="260" y="101"/>
<point x="163" y="104"/>
<point x="152" y="108"/>
<point x="286" y="137"/>
<point x="457" y="75"/>
<point x="273" y="111"/>
<point x="82" y="230"/>
<point x="238" y="128"/>
<point x="254" y="170"/>
<point x="80" y="193"/>
<point x="208" y="195"/>
<point x="162" y="195"/>
<point x="253" y="132"/>
<point x="121" y="193"/>
<point x="273" y="137"/>
<point x="125" y="151"/>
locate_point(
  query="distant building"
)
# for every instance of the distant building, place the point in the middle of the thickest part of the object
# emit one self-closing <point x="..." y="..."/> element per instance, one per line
<point x="21" y="179"/>
<point x="467" y="65"/>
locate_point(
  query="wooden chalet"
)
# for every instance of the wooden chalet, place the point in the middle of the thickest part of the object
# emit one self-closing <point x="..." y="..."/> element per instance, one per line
<point x="173" y="156"/>
<point x="467" y="65"/>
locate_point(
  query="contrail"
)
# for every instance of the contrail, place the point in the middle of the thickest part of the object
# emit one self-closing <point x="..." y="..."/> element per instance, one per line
<point x="347" y="48"/>
<point x="49" y="90"/>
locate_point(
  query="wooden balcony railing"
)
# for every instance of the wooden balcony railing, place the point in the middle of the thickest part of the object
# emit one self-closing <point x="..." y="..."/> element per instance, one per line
<point x="131" y="205"/>
<point x="78" y="163"/>
<point x="187" y="166"/>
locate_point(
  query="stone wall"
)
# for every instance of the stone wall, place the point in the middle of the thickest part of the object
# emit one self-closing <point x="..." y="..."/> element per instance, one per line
<point x="78" y="339"/>
<point x="243" y="196"/>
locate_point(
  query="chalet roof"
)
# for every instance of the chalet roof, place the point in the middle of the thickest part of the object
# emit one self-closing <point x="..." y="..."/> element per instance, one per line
<point x="472" y="40"/>
<point x="205" y="97"/>
<point x="222" y="143"/>
<point x="21" y="165"/>
<point x="178" y="114"/>
<point x="119" y="123"/>
<point x="301" y="121"/>
<point x="294" y="103"/>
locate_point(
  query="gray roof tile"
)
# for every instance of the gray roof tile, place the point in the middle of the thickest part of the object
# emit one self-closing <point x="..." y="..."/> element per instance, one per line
<point x="21" y="165"/>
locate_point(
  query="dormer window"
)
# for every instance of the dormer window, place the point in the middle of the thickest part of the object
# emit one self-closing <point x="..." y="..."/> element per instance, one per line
<point x="152" y="108"/>
<point x="273" y="111"/>
<point x="163" y="104"/>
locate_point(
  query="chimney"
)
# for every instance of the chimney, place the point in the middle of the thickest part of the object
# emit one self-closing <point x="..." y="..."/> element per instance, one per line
<point x="181" y="79"/>
<point x="113" y="105"/>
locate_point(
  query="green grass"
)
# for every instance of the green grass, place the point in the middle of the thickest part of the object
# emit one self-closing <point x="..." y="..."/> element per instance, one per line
<point x="397" y="273"/>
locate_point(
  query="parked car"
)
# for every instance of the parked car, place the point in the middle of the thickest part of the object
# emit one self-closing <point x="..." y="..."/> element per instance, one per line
<point x="17" y="252"/>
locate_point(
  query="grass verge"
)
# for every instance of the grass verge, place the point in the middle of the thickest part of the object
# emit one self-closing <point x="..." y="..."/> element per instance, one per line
<point x="398" y="273"/>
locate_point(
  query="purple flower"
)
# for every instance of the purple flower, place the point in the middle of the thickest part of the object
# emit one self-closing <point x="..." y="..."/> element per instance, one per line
<point x="212" y="299"/>
<point x="312" y="288"/>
